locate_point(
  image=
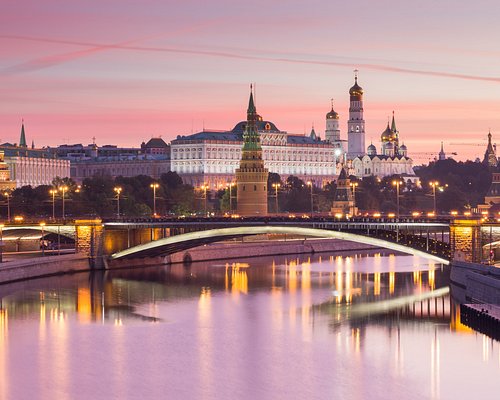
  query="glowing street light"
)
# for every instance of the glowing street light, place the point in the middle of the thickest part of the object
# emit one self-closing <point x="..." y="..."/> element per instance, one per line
<point x="8" y="195"/>
<point x="53" y="192"/>
<point x="434" y="184"/>
<point x="397" y="183"/>
<point x="118" y="190"/>
<point x="63" y="189"/>
<point x="42" y="242"/>
<point x="1" y="242"/>
<point x="204" y="188"/>
<point x="310" y="184"/>
<point x="154" y="186"/>
<point x="276" y="186"/>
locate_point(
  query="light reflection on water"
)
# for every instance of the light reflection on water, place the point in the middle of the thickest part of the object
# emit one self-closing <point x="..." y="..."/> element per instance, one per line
<point x="324" y="326"/>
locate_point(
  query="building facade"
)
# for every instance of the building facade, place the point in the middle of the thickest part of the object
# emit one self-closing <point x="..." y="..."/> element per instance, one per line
<point x="356" y="123"/>
<point x="151" y="159"/>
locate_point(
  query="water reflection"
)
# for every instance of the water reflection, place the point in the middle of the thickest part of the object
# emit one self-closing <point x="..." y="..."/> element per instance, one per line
<point x="317" y="326"/>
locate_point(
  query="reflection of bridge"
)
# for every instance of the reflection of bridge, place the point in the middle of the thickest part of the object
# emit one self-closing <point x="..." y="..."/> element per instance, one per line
<point x="469" y="240"/>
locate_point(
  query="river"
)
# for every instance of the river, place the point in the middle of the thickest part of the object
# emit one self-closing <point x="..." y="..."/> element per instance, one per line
<point x="352" y="326"/>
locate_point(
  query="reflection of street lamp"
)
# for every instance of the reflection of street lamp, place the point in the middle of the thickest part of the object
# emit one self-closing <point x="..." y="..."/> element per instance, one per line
<point x="63" y="189"/>
<point x="354" y="185"/>
<point x="434" y="184"/>
<point x="1" y="242"/>
<point x="397" y="183"/>
<point x="42" y="225"/>
<point x="154" y="186"/>
<point x="118" y="190"/>
<point x="276" y="186"/>
<point x="310" y="184"/>
<point x="53" y="193"/>
<point x="8" y="196"/>
<point x="230" y="186"/>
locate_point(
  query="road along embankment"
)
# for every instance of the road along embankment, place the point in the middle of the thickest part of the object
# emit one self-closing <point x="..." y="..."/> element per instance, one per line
<point x="36" y="267"/>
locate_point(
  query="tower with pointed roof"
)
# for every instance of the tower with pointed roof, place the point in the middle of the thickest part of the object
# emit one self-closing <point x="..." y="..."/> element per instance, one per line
<point x="332" y="132"/>
<point x="390" y="139"/>
<point x="343" y="200"/>
<point x="490" y="158"/>
<point x="251" y="176"/>
<point x="356" y="123"/>
<point x="22" y="139"/>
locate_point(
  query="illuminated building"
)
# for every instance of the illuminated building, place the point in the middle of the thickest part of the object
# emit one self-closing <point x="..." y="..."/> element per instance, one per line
<point x="356" y="123"/>
<point x="343" y="200"/>
<point x="490" y="157"/>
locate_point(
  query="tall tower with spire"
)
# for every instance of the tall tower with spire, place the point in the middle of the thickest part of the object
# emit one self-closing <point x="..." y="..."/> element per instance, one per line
<point x="251" y="176"/>
<point x="22" y="139"/>
<point x="356" y="123"/>
<point x="490" y="158"/>
<point x="442" y="154"/>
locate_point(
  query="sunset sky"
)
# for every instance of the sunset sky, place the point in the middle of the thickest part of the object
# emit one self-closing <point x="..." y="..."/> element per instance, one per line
<point x="124" y="71"/>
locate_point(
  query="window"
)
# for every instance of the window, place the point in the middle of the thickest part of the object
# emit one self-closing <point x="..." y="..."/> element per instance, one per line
<point x="254" y="188"/>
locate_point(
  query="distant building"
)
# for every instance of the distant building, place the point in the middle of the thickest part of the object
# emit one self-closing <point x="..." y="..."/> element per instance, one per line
<point x="356" y="123"/>
<point x="151" y="159"/>
<point x="5" y="182"/>
<point x="31" y="166"/>
<point x="442" y="154"/>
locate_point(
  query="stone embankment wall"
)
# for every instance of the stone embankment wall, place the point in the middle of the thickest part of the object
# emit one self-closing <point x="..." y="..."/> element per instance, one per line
<point x="476" y="283"/>
<point x="18" y="270"/>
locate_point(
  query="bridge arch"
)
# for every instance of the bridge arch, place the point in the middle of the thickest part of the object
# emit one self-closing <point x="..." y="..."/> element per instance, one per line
<point x="190" y="240"/>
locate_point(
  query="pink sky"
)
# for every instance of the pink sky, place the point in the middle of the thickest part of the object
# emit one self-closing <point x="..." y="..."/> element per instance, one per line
<point x="124" y="71"/>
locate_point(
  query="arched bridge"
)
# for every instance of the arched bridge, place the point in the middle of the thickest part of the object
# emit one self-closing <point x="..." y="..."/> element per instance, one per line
<point x="185" y="241"/>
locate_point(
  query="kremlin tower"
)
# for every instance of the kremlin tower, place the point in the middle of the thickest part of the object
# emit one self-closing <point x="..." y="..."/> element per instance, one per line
<point x="251" y="176"/>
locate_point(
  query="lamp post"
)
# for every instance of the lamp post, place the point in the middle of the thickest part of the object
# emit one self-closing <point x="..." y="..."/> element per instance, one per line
<point x="354" y="185"/>
<point x="310" y="184"/>
<point x="397" y="183"/>
<point x="154" y="186"/>
<point x="205" y="187"/>
<point x="42" y="242"/>
<point x="63" y="189"/>
<point x="53" y="193"/>
<point x="276" y="186"/>
<point x="8" y="196"/>
<point x="434" y="184"/>
<point x="1" y="242"/>
<point x="118" y="190"/>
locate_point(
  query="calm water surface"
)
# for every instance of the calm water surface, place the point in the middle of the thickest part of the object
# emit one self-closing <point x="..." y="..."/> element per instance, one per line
<point x="370" y="326"/>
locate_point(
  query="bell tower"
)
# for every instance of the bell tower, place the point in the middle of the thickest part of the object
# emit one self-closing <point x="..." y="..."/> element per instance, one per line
<point x="251" y="176"/>
<point x="356" y="123"/>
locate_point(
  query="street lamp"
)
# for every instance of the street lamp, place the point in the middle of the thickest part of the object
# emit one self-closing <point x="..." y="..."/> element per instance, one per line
<point x="8" y="196"/>
<point x="42" y="225"/>
<point x="434" y="184"/>
<point x="310" y="184"/>
<point x="154" y="186"/>
<point x="276" y="186"/>
<point x="63" y="189"/>
<point x="118" y="190"/>
<point x="204" y="188"/>
<point x="53" y="193"/>
<point x="397" y="183"/>
<point x="354" y="185"/>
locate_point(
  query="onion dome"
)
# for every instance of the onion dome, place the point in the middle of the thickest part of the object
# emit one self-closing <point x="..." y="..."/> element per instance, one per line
<point x="372" y="150"/>
<point x="389" y="146"/>
<point x="356" y="90"/>
<point x="403" y="147"/>
<point x="387" y="134"/>
<point x="332" y="114"/>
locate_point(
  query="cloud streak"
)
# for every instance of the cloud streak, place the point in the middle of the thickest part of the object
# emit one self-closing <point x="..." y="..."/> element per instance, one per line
<point x="96" y="47"/>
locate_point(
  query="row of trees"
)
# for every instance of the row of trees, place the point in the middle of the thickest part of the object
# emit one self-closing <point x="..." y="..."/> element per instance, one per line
<point x="461" y="185"/>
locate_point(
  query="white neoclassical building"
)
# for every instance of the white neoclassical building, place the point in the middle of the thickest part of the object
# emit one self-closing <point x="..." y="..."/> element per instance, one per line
<point x="211" y="157"/>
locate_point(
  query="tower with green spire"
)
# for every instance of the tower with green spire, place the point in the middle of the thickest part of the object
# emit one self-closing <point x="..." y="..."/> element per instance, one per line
<point x="22" y="139"/>
<point x="251" y="176"/>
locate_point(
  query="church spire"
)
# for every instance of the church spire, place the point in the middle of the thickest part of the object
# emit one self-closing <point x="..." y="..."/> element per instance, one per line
<point x="22" y="139"/>
<point x="251" y="137"/>
<point x="393" y="124"/>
